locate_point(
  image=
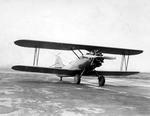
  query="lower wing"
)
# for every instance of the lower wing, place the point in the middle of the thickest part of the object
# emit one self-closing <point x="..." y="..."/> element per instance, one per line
<point x="70" y="72"/>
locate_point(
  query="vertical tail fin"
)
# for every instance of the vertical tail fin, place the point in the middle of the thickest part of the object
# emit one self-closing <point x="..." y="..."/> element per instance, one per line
<point x="58" y="62"/>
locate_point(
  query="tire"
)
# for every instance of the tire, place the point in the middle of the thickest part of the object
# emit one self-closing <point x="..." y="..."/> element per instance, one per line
<point x="77" y="79"/>
<point x="101" y="81"/>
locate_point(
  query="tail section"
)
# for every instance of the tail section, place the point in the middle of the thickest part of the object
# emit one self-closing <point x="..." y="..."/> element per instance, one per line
<point x="58" y="62"/>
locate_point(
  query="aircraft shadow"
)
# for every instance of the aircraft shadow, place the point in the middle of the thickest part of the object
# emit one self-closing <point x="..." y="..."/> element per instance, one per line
<point x="44" y="83"/>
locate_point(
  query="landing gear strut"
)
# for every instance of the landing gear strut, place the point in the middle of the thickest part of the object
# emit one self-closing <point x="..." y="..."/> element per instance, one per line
<point x="77" y="79"/>
<point x="60" y="78"/>
<point x="101" y="80"/>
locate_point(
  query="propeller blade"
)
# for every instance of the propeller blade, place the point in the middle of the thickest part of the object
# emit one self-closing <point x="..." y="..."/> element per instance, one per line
<point x="109" y="58"/>
<point x="104" y="57"/>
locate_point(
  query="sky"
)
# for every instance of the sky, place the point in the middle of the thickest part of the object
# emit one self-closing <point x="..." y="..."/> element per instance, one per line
<point x="112" y="23"/>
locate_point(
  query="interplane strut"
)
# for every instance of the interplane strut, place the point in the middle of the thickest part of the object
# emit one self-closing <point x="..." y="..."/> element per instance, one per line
<point x="36" y="56"/>
<point x="124" y="63"/>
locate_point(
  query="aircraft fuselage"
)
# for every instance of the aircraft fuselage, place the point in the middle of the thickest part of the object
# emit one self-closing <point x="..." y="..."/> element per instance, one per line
<point x="78" y="64"/>
<point x="87" y="64"/>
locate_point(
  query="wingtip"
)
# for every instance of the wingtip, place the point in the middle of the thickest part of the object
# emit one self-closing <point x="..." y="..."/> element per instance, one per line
<point x="16" y="67"/>
<point x="138" y="52"/>
<point x="141" y="51"/>
<point x="20" y="42"/>
<point x="13" y="67"/>
<point x="17" y="42"/>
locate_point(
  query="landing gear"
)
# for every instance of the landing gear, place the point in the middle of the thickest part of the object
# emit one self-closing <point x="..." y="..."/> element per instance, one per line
<point x="101" y="80"/>
<point x="77" y="79"/>
<point x="60" y="78"/>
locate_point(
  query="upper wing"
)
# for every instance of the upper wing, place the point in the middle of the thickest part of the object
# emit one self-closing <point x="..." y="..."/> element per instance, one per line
<point x="66" y="46"/>
<point x="70" y="72"/>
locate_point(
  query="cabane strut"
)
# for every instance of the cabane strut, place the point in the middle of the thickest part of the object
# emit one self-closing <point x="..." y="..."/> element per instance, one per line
<point x="76" y="53"/>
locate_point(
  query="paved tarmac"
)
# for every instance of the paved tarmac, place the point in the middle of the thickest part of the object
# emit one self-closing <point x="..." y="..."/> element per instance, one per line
<point x="28" y="94"/>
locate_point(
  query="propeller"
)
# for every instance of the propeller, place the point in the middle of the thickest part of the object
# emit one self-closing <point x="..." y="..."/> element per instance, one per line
<point x="103" y="57"/>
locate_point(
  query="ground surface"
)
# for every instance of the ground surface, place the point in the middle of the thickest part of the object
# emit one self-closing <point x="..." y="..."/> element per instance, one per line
<point x="26" y="94"/>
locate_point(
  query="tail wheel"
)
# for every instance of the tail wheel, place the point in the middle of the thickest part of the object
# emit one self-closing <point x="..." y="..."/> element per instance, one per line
<point x="77" y="79"/>
<point x="101" y="81"/>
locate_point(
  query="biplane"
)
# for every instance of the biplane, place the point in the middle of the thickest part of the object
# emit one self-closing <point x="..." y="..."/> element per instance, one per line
<point x="84" y="65"/>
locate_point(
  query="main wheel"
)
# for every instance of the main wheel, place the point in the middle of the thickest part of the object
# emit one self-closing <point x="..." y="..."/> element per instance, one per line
<point x="101" y="81"/>
<point x="77" y="79"/>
